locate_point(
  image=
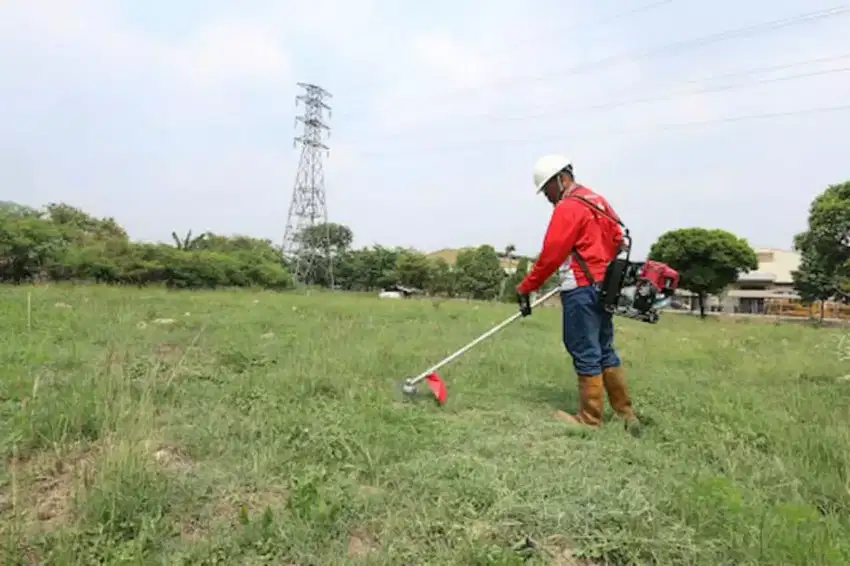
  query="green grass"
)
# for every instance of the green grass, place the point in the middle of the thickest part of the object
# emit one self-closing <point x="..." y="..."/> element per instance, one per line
<point x="262" y="428"/>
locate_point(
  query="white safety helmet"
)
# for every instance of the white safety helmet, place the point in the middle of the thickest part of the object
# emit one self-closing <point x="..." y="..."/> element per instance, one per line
<point x="547" y="167"/>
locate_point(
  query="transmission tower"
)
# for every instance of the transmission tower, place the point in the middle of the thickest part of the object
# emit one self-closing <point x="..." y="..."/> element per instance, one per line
<point x="308" y="206"/>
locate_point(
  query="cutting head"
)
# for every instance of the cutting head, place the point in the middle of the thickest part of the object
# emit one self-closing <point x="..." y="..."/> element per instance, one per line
<point x="435" y="384"/>
<point x="408" y="388"/>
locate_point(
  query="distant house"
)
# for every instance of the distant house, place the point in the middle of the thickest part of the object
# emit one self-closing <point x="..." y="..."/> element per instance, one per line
<point x="754" y="292"/>
<point x="772" y="280"/>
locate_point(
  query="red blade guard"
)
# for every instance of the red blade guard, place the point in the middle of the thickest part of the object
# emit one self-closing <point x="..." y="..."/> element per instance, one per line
<point x="438" y="388"/>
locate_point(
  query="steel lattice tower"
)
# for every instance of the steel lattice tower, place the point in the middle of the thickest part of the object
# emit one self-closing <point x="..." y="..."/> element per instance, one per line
<point x="308" y="206"/>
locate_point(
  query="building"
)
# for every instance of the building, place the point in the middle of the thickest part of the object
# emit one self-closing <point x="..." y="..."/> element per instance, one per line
<point x="771" y="282"/>
<point x="754" y="292"/>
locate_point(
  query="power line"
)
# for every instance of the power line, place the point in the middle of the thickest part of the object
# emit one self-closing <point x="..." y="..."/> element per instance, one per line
<point x="557" y="108"/>
<point x="779" y="67"/>
<point x="711" y="90"/>
<point x="476" y="144"/>
<point x="504" y="45"/>
<point x="584" y="26"/>
<point x="678" y="46"/>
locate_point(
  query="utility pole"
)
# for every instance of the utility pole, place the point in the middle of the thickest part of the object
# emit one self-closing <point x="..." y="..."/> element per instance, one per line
<point x="308" y="207"/>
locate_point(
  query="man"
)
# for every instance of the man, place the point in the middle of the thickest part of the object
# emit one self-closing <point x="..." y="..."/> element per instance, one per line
<point x="583" y="237"/>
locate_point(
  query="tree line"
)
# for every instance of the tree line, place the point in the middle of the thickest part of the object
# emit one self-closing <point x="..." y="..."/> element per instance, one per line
<point x="824" y="247"/>
<point x="62" y="243"/>
<point x="477" y="272"/>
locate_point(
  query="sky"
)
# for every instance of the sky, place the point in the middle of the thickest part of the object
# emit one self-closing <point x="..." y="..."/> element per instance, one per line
<point x="177" y="115"/>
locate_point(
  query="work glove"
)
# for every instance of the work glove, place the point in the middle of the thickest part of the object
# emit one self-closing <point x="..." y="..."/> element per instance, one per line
<point x="524" y="303"/>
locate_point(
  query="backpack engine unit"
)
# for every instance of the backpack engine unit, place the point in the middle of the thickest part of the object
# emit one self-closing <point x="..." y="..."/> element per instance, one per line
<point x="637" y="290"/>
<point x="649" y="289"/>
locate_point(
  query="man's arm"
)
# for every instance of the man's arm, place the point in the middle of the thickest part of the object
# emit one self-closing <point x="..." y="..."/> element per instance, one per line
<point x="561" y="235"/>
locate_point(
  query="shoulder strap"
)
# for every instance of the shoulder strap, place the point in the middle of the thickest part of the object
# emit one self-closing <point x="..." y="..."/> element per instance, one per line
<point x="595" y="208"/>
<point x="581" y="263"/>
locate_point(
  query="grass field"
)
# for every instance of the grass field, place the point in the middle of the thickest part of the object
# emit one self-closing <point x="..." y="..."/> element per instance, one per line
<point x="257" y="428"/>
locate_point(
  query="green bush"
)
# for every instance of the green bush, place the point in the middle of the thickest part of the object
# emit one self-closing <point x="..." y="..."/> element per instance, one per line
<point x="62" y="243"/>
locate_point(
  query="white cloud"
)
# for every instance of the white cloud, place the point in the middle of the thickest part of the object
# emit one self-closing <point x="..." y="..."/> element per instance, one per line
<point x="346" y="25"/>
<point x="229" y="52"/>
<point x="215" y="54"/>
<point x="451" y="60"/>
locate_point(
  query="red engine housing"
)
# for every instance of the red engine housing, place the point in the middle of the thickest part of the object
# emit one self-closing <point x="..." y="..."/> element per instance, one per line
<point x="663" y="277"/>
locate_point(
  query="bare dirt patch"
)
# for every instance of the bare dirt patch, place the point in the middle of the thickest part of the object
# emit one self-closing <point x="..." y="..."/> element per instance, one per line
<point x="481" y="529"/>
<point x="172" y="459"/>
<point x="168" y="352"/>
<point x="362" y="544"/>
<point x="41" y="497"/>
<point x="231" y="508"/>
<point x="369" y="490"/>
<point x="561" y="554"/>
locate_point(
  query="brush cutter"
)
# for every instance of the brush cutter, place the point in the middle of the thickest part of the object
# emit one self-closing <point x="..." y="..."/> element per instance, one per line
<point x="438" y="388"/>
<point x="650" y="288"/>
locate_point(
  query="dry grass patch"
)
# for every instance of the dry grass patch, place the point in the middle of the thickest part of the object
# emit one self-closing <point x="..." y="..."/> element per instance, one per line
<point x="40" y="497"/>
<point x="361" y="544"/>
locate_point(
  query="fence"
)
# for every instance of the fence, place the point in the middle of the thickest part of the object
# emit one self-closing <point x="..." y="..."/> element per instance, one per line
<point x="793" y="307"/>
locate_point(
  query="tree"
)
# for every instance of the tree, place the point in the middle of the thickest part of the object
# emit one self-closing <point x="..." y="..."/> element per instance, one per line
<point x="79" y="226"/>
<point x="367" y="269"/>
<point x="28" y="245"/>
<point x="64" y="243"/>
<point x="320" y="246"/>
<point x="829" y="226"/>
<point x="187" y="242"/>
<point x="443" y="280"/>
<point x="825" y="247"/>
<point x="15" y="209"/>
<point x="480" y="273"/>
<point x="707" y="260"/>
<point x="813" y="281"/>
<point x="238" y="244"/>
<point x="325" y="237"/>
<point x="522" y="268"/>
<point x="413" y="269"/>
<point x="514" y="279"/>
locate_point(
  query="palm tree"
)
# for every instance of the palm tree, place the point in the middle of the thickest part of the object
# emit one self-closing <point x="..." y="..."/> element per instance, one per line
<point x="187" y="243"/>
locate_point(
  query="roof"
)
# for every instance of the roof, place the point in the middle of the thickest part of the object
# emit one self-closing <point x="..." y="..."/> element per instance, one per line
<point x="757" y="276"/>
<point x="761" y="294"/>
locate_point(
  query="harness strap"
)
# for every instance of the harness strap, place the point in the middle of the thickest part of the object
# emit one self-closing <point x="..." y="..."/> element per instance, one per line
<point x="581" y="263"/>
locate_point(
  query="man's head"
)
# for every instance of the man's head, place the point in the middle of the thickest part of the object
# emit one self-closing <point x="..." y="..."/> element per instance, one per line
<point x="553" y="176"/>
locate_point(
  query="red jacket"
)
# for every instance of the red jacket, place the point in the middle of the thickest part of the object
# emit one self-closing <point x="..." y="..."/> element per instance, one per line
<point x="575" y="225"/>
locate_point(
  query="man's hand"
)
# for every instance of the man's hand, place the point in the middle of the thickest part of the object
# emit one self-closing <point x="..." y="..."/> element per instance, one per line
<point x="524" y="303"/>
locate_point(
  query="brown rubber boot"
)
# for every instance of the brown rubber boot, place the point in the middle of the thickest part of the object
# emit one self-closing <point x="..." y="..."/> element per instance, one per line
<point x="618" y="395"/>
<point x="591" y="399"/>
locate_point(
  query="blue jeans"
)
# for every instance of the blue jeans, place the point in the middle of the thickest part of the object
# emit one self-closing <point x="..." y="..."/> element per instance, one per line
<point x="588" y="331"/>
